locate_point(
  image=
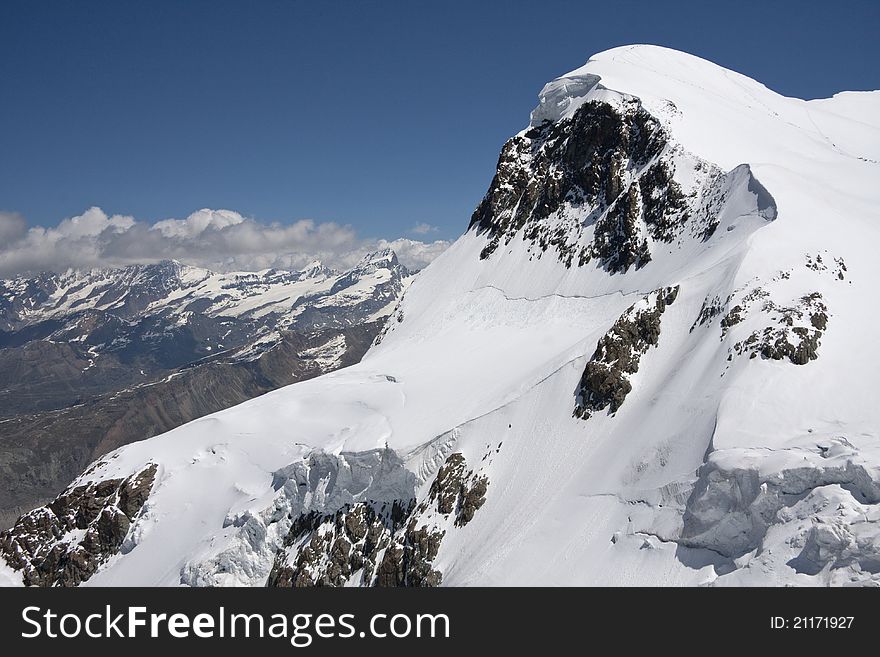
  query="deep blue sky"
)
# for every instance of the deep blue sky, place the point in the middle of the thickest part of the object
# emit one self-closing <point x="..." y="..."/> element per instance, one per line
<point x="375" y="114"/>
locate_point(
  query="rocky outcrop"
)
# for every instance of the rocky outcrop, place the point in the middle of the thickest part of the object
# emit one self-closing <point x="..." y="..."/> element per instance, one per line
<point x="373" y="543"/>
<point x="323" y="504"/>
<point x="364" y="545"/>
<point x="834" y="264"/>
<point x="409" y="560"/>
<point x="327" y="550"/>
<point x="793" y="335"/>
<point x="65" y="542"/>
<point x="710" y="309"/>
<point x="596" y="186"/>
<point x="765" y="321"/>
<point x="618" y="241"/>
<point x="454" y="496"/>
<point x="580" y="159"/>
<point x="458" y="490"/>
<point x="605" y="382"/>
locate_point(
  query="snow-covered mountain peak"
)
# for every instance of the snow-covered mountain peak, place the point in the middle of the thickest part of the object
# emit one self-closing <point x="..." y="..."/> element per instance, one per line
<point x="378" y="257"/>
<point x="626" y="371"/>
<point x="720" y="114"/>
<point x="383" y="259"/>
<point x="315" y="269"/>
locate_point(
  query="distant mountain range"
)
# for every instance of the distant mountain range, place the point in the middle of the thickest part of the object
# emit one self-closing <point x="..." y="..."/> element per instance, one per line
<point x="91" y="360"/>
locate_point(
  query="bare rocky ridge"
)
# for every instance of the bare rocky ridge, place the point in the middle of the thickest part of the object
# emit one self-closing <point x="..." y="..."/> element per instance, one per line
<point x="66" y="541"/>
<point x="323" y="550"/>
<point x="613" y="164"/>
<point x="387" y="543"/>
<point x="575" y="161"/>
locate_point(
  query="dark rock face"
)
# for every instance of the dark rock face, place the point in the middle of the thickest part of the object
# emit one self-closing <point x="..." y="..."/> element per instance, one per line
<point x="710" y="309"/>
<point x="456" y="489"/>
<point x="601" y="160"/>
<point x="605" y="381"/>
<point x="408" y="562"/>
<point x="607" y="185"/>
<point x="64" y="543"/>
<point x="587" y="152"/>
<point x="731" y="319"/>
<point x="455" y="495"/>
<point x="383" y="544"/>
<point x="328" y="548"/>
<point x="663" y="202"/>
<point x="618" y="242"/>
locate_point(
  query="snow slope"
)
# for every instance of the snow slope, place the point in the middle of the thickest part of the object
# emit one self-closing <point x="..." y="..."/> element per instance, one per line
<point x="731" y="460"/>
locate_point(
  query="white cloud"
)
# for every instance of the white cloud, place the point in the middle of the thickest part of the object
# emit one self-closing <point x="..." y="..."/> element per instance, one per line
<point x="221" y="240"/>
<point x="12" y="227"/>
<point x="423" y="229"/>
<point x="415" y="254"/>
<point x="197" y="223"/>
<point x="92" y="223"/>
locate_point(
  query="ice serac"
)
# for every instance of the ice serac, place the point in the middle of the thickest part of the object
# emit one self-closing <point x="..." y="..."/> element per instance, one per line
<point x="561" y="97"/>
<point x="649" y="360"/>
